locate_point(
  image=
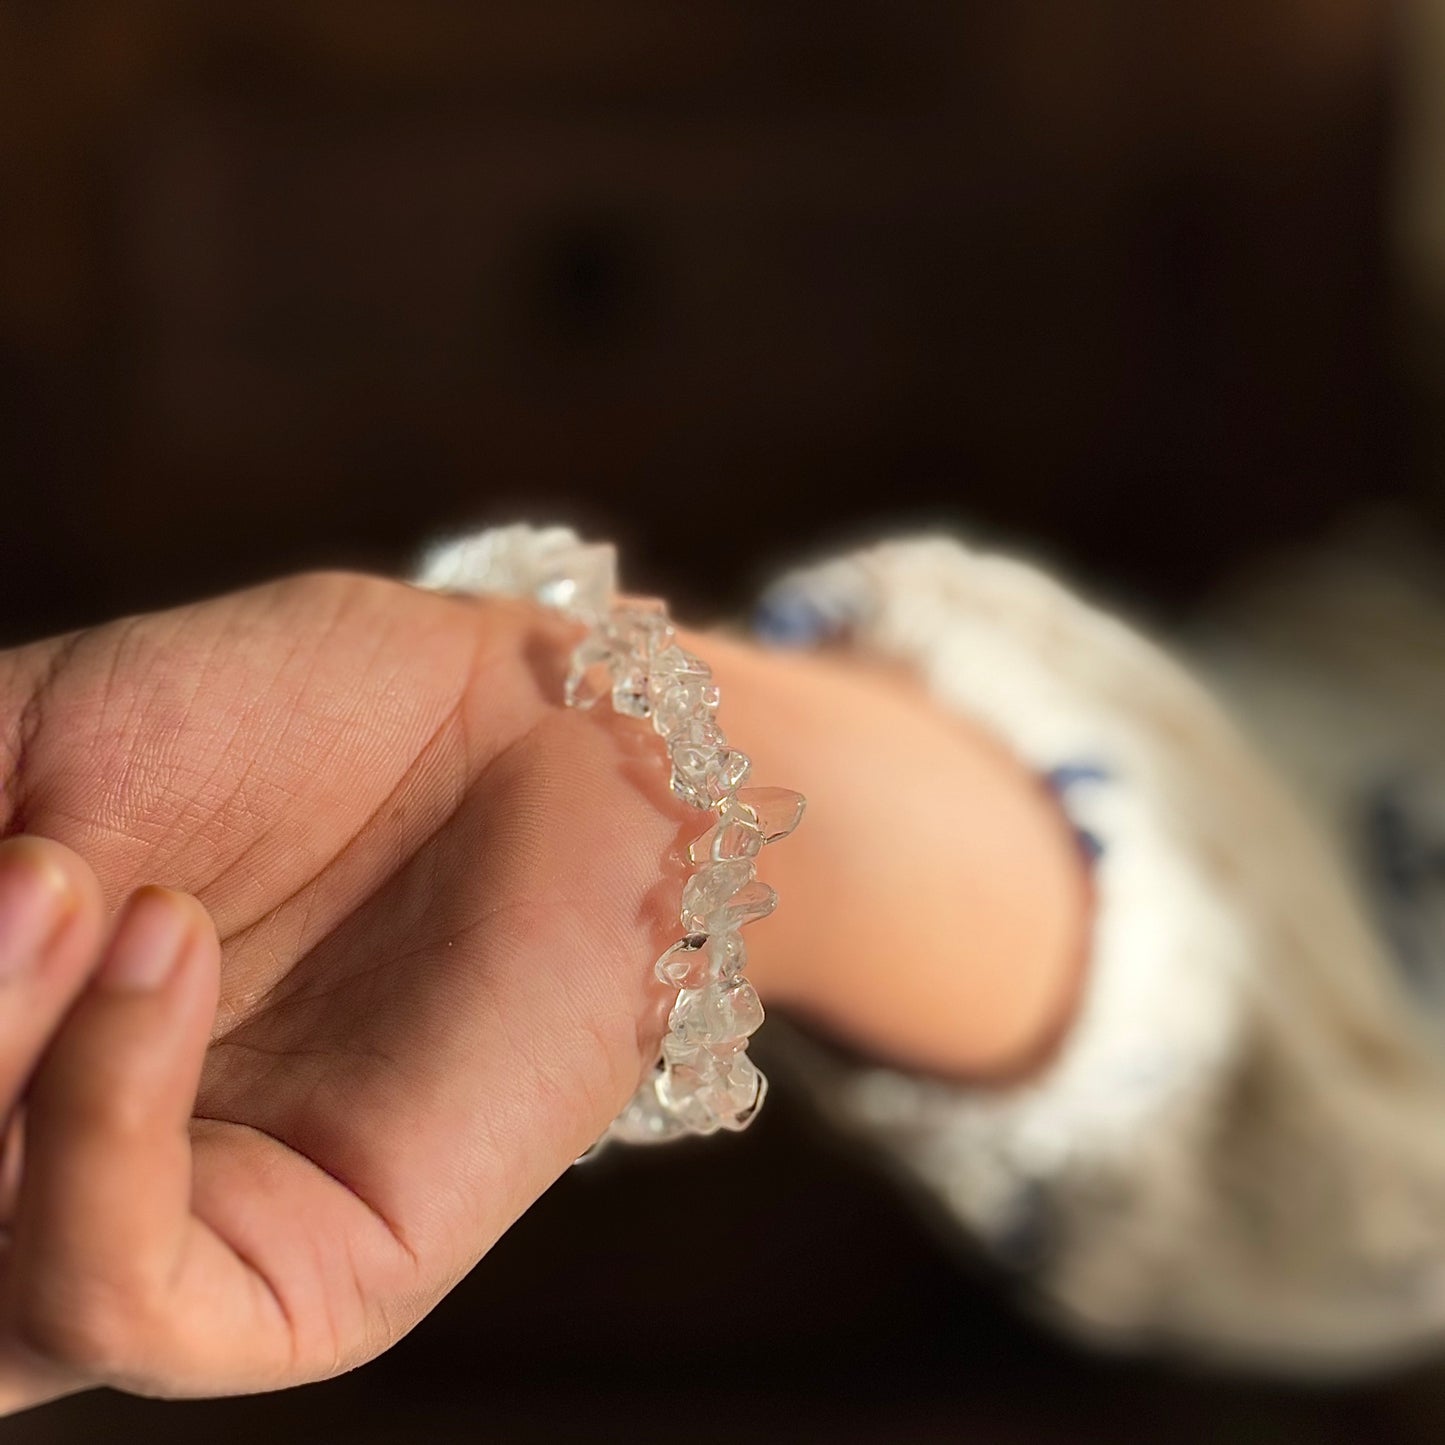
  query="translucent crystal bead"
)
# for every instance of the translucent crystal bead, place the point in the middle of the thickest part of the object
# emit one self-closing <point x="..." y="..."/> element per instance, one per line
<point x="701" y="736"/>
<point x="679" y="1053"/>
<point x="647" y="1117"/>
<point x="697" y="751"/>
<point x="642" y="628"/>
<point x="735" y="1091"/>
<point x="676" y="664"/>
<point x="680" y="701"/>
<point x="776" y="811"/>
<point x="736" y="834"/>
<point x="703" y="776"/>
<point x="685" y="963"/>
<point x="733" y="768"/>
<point x="751" y="902"/>
<point x="686" y="1081"/>
<point x="726" y="955"/>
<point x="698" y="960"/>
<point x="709" y="888"/>
<point x="588" y="674"/>
<point x="720" y="1016"/>
<point x="744" y="1116"/>
<point x="689" y="792"/>
<point x="578" y="580"/>
<point x="630" y="694"/>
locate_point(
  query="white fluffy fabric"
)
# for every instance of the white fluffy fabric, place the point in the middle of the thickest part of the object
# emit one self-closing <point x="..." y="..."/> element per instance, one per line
<point x="1239" y="1152"/>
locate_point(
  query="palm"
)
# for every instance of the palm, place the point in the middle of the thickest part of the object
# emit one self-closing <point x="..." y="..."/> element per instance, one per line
<point x="436" y="894"/>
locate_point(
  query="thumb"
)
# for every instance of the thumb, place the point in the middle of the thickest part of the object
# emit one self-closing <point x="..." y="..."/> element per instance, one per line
<point x="104" y="1206"/>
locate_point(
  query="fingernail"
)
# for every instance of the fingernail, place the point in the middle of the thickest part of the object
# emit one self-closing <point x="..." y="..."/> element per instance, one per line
<point x="149" y="940"/>
<point x="35" y="897"/>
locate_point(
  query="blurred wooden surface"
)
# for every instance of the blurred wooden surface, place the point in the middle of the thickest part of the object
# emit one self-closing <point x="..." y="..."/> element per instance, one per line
<point x="283" y="284"/>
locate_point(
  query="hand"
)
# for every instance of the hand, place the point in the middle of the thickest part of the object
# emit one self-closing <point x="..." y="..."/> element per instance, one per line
<point x="279" y="1119"/>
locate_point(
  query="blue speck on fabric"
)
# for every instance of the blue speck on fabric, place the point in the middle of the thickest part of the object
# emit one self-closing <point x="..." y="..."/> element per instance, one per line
<point x="789" y="618"/>
<point x="1069" y="775"/>
<point x="1064" y="780"/>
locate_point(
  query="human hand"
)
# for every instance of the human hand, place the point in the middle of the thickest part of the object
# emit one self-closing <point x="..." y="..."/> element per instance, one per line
<point x="409" y="988"/>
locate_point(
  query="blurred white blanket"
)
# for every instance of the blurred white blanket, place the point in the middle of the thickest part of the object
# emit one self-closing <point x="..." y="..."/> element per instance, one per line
<point x="1239" y="1152"/>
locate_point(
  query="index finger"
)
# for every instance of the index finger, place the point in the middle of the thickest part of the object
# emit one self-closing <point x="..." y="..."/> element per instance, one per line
<point x="50" y="924"/>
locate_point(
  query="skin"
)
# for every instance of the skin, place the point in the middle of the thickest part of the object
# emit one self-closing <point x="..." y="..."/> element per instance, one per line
<point x="324" y="936"/>
<point x="935" y="906"/>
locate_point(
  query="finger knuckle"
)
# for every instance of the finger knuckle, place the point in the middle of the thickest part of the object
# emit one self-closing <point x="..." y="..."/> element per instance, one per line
<point x="89" y="1329"/>
<point x="111" y="1106"/>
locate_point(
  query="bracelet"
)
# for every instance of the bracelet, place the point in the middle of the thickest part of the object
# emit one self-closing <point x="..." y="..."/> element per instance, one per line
<point x="702" y="1080"/>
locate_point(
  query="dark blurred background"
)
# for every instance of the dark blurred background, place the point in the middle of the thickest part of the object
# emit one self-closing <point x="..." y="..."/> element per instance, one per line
<point x="1145" y="288"/>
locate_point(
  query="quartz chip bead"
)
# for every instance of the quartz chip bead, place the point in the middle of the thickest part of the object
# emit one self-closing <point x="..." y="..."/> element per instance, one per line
<point x="711" y="887"/>
<point x="699" y="959"/>
<point x="775" y="811"/>
<point x="736" y="1091"/>
<point x="727" y="956"/>
<point x="733" y="769"/>
<point x="720" y="1016"/>
<point x="710" y="1091"/>
<point x="677" y="702"/>
<point x="641" y="629"/>
<point x="734" y="835"/>
<point x="751" y="902"/>
<point x="677" y="664"/>
<point x="646" y="1118"/>
<point x="705" y="770"/>
<point x="694" y="750"/>
<point x="682" y="690"/>
<point x="689" y="1072"/>
<point x="630" y="694"/>
<point x="684" y="964"/>
<point x="747" y="822"/>
<point x="578" y="579"/>
<point x="589" y="676"/>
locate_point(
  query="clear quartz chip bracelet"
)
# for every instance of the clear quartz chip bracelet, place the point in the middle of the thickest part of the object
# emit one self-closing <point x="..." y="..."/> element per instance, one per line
<point x="703" y="1080"/>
